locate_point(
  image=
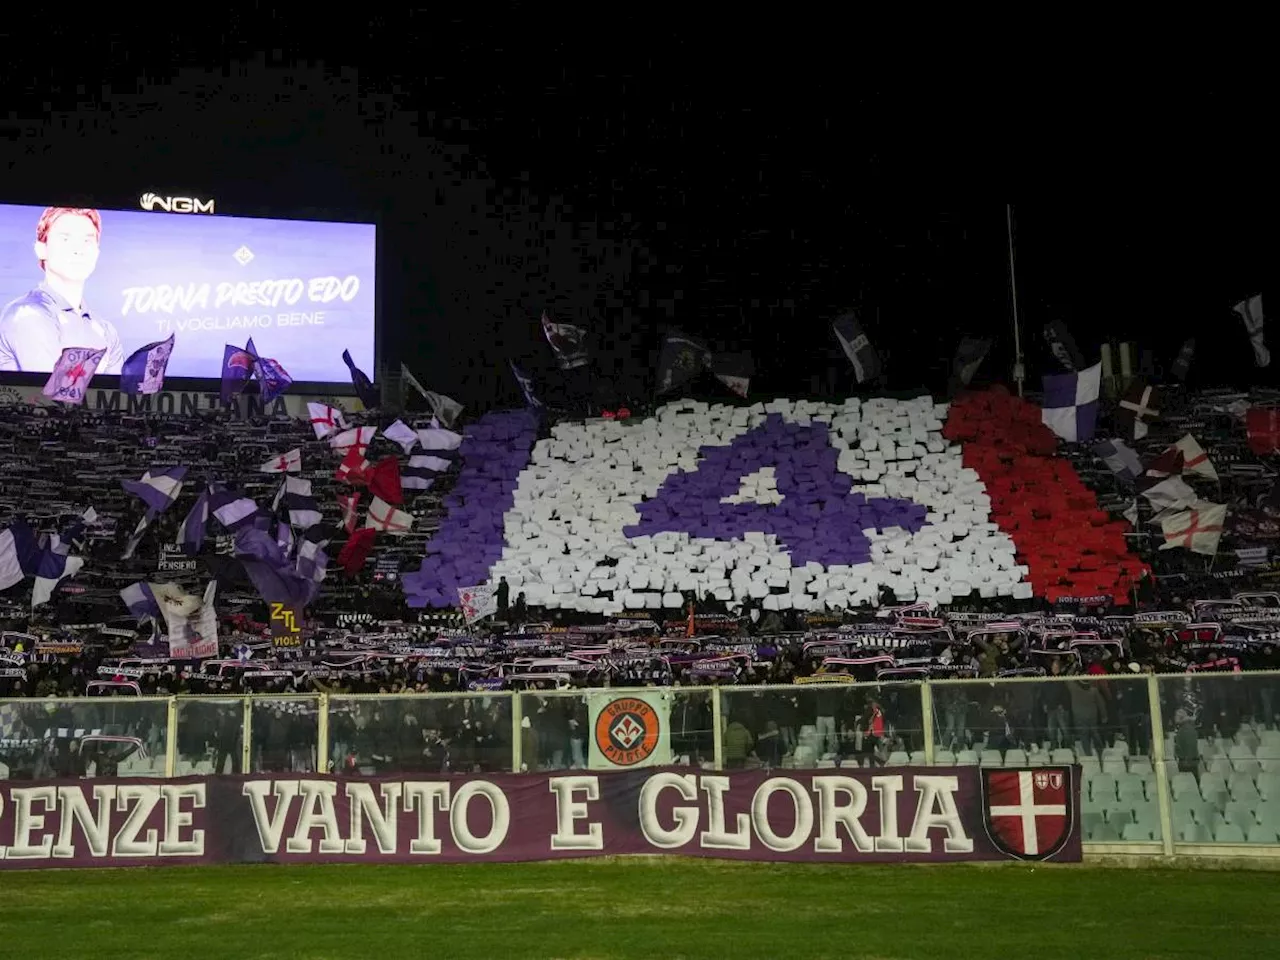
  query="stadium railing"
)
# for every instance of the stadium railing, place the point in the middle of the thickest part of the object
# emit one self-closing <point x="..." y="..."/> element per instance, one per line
<point x="1171" y="764"/>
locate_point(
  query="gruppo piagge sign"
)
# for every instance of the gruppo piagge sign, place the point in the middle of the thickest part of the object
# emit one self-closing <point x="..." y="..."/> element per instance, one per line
<point x="910" y="814"/>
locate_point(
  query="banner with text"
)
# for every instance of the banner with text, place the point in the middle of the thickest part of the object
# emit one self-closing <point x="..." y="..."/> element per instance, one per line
<point x="302" y="289"/>
<point x="909" y="814"/>
<point x="183" y="403"/>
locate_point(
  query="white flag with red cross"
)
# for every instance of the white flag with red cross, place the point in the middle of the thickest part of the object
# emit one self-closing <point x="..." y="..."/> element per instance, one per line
<point x="325" y="419"/>
<point x="385" y="518"/>
<point x="290" y="462"/>
<point x="1198" y="529"/>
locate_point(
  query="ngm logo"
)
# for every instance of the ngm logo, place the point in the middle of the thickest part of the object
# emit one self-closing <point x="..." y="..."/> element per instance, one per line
<point x="150" y="201"/>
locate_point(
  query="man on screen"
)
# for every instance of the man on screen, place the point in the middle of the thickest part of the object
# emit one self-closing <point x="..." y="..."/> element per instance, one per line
<point x="36" y="327"/>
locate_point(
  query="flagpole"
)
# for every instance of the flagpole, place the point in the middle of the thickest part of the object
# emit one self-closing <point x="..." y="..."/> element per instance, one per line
<point x="1019" y="370"/>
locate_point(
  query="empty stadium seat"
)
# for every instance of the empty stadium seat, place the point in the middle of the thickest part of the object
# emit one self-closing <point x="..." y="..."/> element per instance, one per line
<point x="898" y="758"/>
<point x="944" y="758"/>
<point x="1183" y="785"/>
<point x="1262" y="833"/>
<point x="1240" y="813"/>
<point x="1015" y="757"/>
<point x="967" y="758"/>
<point x="1103" y="833"/>
<point x="1129" y="787"/>
<point x="917" y="758"/>
<point x="991" y="758"/>
<point x="1193" y="833"/>
<point x="1214" y="789"/>
<point x="1140" y="764"/>
<point x="1135" y="832"/>
<point x="1268" y="785"/>
<point x="1089" y="766"/>
<point x="1114" y="765"/>
<point x="1243" y="760"/>
<point x="1102" y="787"/>
<point x="1242" y="788"/>
<point x="1228" y="833"/>
<point x="1063" y="755"/>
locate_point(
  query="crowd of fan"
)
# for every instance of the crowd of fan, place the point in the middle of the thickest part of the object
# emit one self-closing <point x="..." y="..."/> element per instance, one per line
<point x="361" y="638"/>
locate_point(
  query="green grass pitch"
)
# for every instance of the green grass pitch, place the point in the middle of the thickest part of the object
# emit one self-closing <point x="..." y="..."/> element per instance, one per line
<point x="639" y="907"/>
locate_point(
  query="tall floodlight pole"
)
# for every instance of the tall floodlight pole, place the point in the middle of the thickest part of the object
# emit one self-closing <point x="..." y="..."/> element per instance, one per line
<point x="1019" y="368"/>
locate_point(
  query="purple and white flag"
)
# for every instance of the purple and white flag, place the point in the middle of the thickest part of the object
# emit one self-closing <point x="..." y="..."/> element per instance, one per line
<point x="191" y="533"/>
<point x="1070" y="407"/>
<point x="401" y="434"/>
<point x="143" y="372"/>
<point x="158" y="489"/>
<point x="69" y="381"/>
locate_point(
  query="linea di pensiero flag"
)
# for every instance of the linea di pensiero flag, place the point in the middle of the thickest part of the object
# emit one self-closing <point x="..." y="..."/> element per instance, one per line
<point x="627" y="732"/>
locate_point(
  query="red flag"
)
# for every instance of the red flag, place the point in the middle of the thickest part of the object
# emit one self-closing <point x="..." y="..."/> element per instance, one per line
<point x="384" y="480"/>
<point x="353" y="468"/>
<point x="356" y="550"/>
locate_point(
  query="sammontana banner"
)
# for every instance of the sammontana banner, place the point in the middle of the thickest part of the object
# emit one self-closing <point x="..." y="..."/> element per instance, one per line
<point x="909" y="814"/>
<point x="183" y="402"/>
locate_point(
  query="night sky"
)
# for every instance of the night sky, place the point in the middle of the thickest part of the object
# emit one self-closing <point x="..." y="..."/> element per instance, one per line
<point x="663" y="182"/>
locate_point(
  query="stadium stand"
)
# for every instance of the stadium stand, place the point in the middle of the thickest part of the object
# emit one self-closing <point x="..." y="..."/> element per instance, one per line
<point x="810" y="560"/>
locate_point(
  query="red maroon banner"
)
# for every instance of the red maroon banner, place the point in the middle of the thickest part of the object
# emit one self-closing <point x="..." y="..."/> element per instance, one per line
<point x="910" y="814"/>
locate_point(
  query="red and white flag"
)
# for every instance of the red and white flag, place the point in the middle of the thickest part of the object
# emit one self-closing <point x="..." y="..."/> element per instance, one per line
<point x="385" y="518"/>
<point x="477" y="602"/>
<point x="357" y="438"/>
<point x="290" y="462"/>
<point x="1194" y="459"/>
<point x="325" y="419"/>
<point x="349" y="502"/>
<point x="353" y="469"/>
<point x="1198" y="529"/>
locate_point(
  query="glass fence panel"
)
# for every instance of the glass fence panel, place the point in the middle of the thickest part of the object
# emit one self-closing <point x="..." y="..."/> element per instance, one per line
<point x="210" y="736"/>
<point x="1103" y="724"/>
<point x="825" y="725"/>
<point x="285" y="734"/>
<point x="419" y="734"/>
<point x="85" y="737"/>
<point x="1222" y="756"/>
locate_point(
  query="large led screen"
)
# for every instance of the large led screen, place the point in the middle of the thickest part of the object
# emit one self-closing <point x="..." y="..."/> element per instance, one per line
<point x="76" y="277"/>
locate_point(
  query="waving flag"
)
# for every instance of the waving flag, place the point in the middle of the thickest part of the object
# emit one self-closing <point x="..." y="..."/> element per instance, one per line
<point x="969" y="356"/>
<point x="349" y="503"/>
<point x="1120" y="457"/>
<point x="857" y="347"/>
<point x="680" y="360"/>
<point x="233" y="510"/>
<point x="526" y="387"/>
<point x="445" y="409"/>
<point x="141" y="601"/>
<point x="1063" y="345"/>
<point x="384" y="480"/>
<point x="1137" y="409"/>
<point x="272" y="378"/>
<point x="365" y="390"/>
<point x="385" y="518"/>
<point x="158" y="489"/>
<point x="434" y="438"/>
<point x="1182" y="363"/>
<point x="400" y="434"/>
<point x="353" y="469"/>
<point x="270" y="570"/>
<point x="69" y="381"/>
<point x="357" y="439"/>
<point x="237" y="368"/>
<point x="734" y="370"/>
<point x="296" y="499"/>
<point x="21" y="556"/>
<point x="325" y="419"/>
<point x="569" y="343"/>
<point x="1070" y="406"/>
<point x="191" y="533"/>
<point x="1198" y="529"/>
<point x="290" y="462"/>
<point x="143" y="372"/>
<point x="1250" y="311"/>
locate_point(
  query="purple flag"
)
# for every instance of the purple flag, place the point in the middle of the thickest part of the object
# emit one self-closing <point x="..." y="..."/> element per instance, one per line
<point x="158" y="489"/>
<point x="237" y="368"/>
<point x="144" y="371"/>
<point x="273" y="380"/>
<point x="69" y="381"/>
<point x="191" y="534"/>
<point x="270" y="570"/>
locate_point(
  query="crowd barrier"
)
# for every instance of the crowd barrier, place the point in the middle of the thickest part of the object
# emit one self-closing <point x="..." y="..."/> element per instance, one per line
<point x="1167" y="764"/>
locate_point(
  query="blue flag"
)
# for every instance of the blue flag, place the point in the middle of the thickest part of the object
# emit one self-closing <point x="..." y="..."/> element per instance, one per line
<point x="273" y="380"/>
<point x="364" y="389"/>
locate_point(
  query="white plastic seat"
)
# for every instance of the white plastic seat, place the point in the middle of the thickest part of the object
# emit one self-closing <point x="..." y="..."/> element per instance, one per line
<point x="991" y="758"/>
<point x="1213" y="788"/>
<point x="1102" y="787"/>
<point x="1089" y="767"/>
<point x="1239" y="812"/>
<point x="1242" y="788"/>
<point x="1136" y="832"/>
<point x="1268" y="785"/>
<point x="1015" y="757"/>
<point x="1129" y="787"/>
<point x="1228" y="833"/>
<point x="1063" y="755"/>
<point x="944" y="758"/>
<point x="917" y="758"/>
<point x="1261" y="833"/>
<point x="898" y="758"/>
<point x="1184" y="785"/>
<point x="1139" y="764"/>
<point x="1193" y="833"/>
<point x="1114" y="765"/>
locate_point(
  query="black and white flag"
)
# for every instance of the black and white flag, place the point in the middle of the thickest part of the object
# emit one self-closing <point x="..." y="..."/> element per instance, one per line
<point x="853" y="341"/>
